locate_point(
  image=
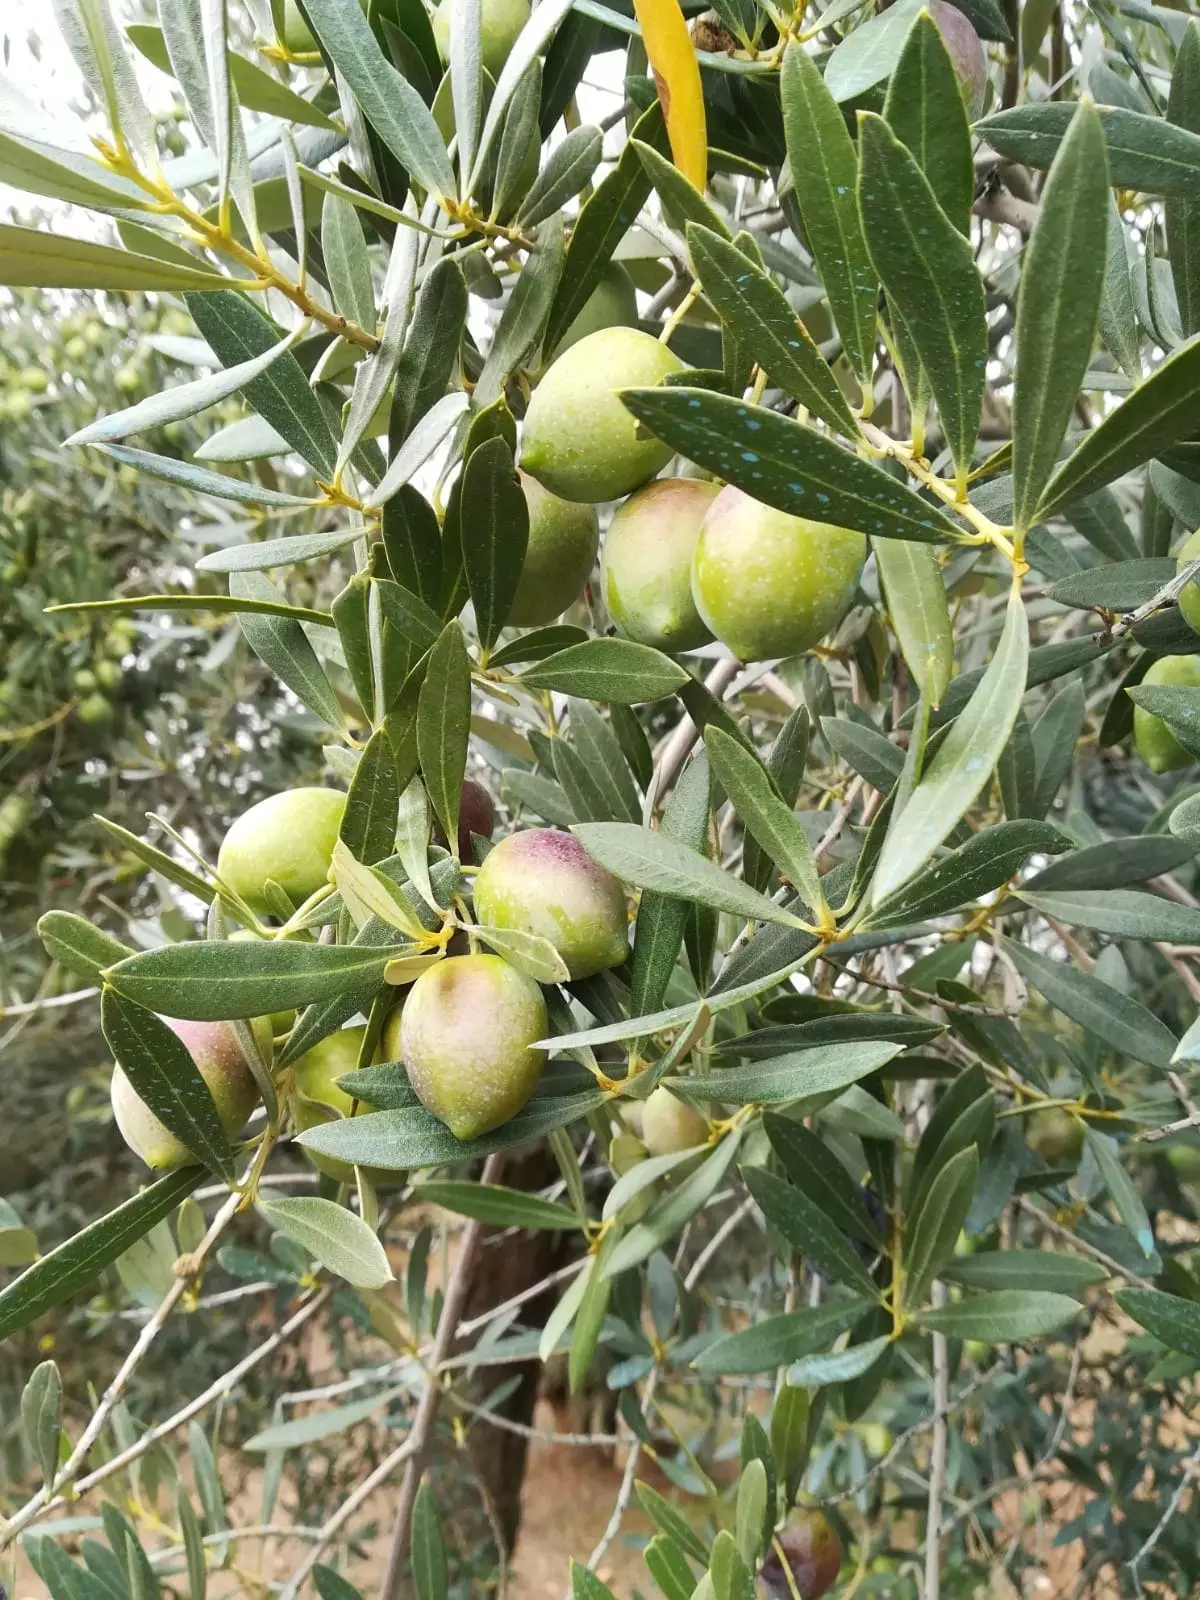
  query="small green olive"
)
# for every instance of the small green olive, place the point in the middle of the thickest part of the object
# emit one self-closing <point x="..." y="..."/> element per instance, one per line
<point x="560" y="555"/>
<point x="668" y="1125"/>
<point x="288" y="837"/>
<point x="647" y="564"/>
<point x="1153" y="740"/>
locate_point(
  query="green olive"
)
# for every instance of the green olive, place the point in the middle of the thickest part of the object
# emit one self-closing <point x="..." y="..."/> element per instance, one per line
<point x="288" y="838"/>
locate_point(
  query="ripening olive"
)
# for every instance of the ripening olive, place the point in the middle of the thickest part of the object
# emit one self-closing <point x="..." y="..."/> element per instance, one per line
<point x="318" y="1097"/>
<point x="214" y="1048"/>
<point x="647" y="563"/>
<point x="668" y="1125"/>
<point x="544" y="882"/>
<point x="560" y="555"/>
<point x="769" y="584"/>
<point x="466" y="1037"/>
<point x="288" y="837"/>
<point x="1153" y="740"/>
<point x="813" y="1553"/>
<point x="1055" y="1135"/>
<point x="502" y="21"/>
<point x="579" y="440"/>
<point x="476" y="814"/>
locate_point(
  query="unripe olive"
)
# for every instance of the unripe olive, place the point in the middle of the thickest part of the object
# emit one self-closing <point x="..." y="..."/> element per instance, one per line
<point x="1055" y="1135"/>
<point x="288" y="837"/>
<point x="560" y="555"/>
<point x="502" y="21"/>
<point x="769" y="584"/>
<point x="668" y="1125"/>
<point x="296" y="35"/>
<point x="76" y="349"/>
<point x="94" y="711"/>
<point x="34" y="379"/>
<point x="18" y="407"/>
<point x="543" y="881"/>
<point x="84" y="679"/>
<point x="108" y="675"/>
<point x="1153" y="740"/>
<point x="647" y="564"/>
<point x="1185" y="1160"/>
<point x="315" y="1078"/>
<point x="214" y="1048"/>
<point x="1189" y="595"/>
<point x="128" y="379"/>
<point x="579" y="440"/>
<point x="466" y="1036"/>
<point x="611" y="304"/>
<point x="476" y="814"/>
<point x="966" y="52"/>
<point x="813" y="1553"/>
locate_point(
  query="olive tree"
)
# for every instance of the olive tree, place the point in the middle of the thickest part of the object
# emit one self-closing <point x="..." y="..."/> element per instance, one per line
<point x="836" y="953"/>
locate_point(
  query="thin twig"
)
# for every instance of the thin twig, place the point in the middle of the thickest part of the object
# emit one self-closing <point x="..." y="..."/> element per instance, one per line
<point x="344" y="1512"/>
<point x="678" y="745"/>
<point x="421" y="1435"/>
<point x="26" y="1008"/>
<point x="937" y="1457"/>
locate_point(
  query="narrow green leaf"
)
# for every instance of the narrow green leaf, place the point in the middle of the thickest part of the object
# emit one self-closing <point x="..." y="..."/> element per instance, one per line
<point x="34" y="258"/>
<point x="213" y="980"/>
<point x="1171" y="1319"/>
<point x="662" y="918"/>
<point x="807" y="1229"/>
<point x="786" y="465"/>
<point x="915" y="592"/>
<point x="778" y="1341"/>
<point x="608" y="670"/>
<point x="824" y="171"/>
<point x="219" y="604"/>
<point x="817" y="1172"/>
<point x="927" y="267"/>
<point x="82" y="949"/>
<point x="964" y="762"/>
<point x="336" y="1237"/>
<point x="1182" y="215"/>
<point x="774" y="825"/>
<point x="668" y="1216"/>
<point x="344" y="250"/>
<point x="985" y="862"/>
<point x="603" y="221"/>
<point x="1058" y="302"/>
<point x="41" y="1417"/>
<point x="444" y="725"/>
<point x="495" y="1205"/>
<point x="1002" y="1316"/>
<point x="368" y="827"/>
<point x="1122" y="912"/>
<point x="1144" y="152"/>
<point x="426" y="363"/>
<point x="586" y="1585"/>
<point x="653" y="860"/>
<point x="567" y="170"/>
<point x="201" y="481"/>
<point x="930" y="1235"/>
<point x="520" y="327"/>
<point x="495" y="534"/>
<point x="767" y="329"/>
<point x="1025" y="1269"/>
<point x="1119" y="1021"/>
<point x="282" y="395"/>
<point x="924" y="109"/>
<point x="282" y="644"/>
<point x="799" y="1074"/>
<point x="74" y="1265"/>
<point x="160" y="1067"/>
<point x="427" y="1550"/>
<point x="389" y="102"/>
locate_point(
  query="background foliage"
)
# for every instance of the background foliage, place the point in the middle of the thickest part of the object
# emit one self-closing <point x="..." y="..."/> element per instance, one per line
<point x="915" y="920"/>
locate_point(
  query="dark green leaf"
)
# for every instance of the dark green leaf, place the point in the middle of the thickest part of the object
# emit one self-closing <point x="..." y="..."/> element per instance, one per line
<point x="927" y="267"/>
<point x="808" y="1229"/>
<point x="426" y="363"/>
<point x="1062" y="274"/>
<point x="1113" y="864"/>
<point x="368" y="827"/>
<point x="36" y="258"/>
<point x="1144" y="152"/>
<point x="986" y="862"/>
<point x="495" y="1205"/>
<point x="662" y="917"/>
<point x="160" y="1067"/>
<point x="444" y="725"/>
<point x="1025" y="1269"/>
<point x="800" y="1074"/>
<point x="1002" y="1316"/>
<point x="604" y="669"/>
<point x="282" y="644"/>
<point x="431" y="1580"/>
<point x="767" y="329"/>
<point x="213" y="980"/>
<point x="1122" y="912"/>
<point x="568" y="168"/>
<point x="1119" y="1021"/>
<point x="778" y="1341"/>
<point x="930" y="1235"/>
<point x="814" y="1169"/>
<point x="824" y="172"/>
<point x="80" y="1261"/>
<point x="495" y="533"/>
<point x="924" y="109"/>
<point x="81" y="948"/>
<point x="282" y="395"/>
<point x="785" y="464"/>
<point x="1171" y="1319"/>
<point x="772" y="823"/>
<point x="1119" y="586"/>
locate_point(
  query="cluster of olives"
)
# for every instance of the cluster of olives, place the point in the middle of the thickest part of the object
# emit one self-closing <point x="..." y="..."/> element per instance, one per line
<point x="466" y="1030"/>
<point x="685" y="560"/>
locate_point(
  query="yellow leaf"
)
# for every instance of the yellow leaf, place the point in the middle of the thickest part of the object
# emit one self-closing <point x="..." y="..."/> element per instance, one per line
<point x="673" y="59"/>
